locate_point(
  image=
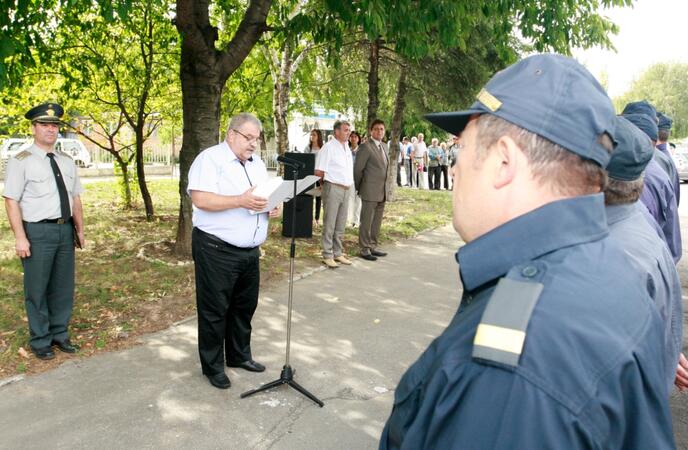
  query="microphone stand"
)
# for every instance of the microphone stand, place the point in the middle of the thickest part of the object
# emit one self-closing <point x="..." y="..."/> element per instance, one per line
<point x="287" y="375"/>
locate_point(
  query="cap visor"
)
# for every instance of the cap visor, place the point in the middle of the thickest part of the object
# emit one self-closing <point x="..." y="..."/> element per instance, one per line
<point x="47" y="120"/>
<point x="452" y="122"/>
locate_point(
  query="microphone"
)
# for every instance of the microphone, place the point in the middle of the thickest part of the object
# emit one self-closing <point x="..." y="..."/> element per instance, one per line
<point x="290" y="162"/>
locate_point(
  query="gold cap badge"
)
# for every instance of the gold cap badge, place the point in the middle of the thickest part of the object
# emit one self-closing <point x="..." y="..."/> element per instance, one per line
<point x="488" y="100"/>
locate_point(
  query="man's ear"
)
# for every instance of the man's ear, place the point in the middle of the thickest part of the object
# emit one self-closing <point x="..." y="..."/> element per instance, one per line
<point x="507" y="158"/>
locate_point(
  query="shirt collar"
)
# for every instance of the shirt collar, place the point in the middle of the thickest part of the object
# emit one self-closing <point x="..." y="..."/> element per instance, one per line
<point x="37" y="151"/>
<point x="553" y="226"/>
<point x="377" y="143"/>
<point x="662" y="146"/>
<point x="232" y="156"/>
<point x="617" y="213"/>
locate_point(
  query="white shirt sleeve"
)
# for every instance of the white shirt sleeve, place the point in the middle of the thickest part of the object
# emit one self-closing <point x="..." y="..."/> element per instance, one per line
<point x="203" y="175"/>
<point x="322" y="159"/>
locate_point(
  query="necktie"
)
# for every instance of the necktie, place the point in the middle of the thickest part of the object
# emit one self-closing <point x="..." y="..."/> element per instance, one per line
<point x="61" y="189"/>
<point x="384" y="155"/>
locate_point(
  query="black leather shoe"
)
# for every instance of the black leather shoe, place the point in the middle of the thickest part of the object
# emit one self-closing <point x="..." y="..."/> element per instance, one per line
<point x="378" y="253"/>
<point x="44" y="353"/>
<point x="219" y="380"/>
<point x="368" y="257"/>
<point x="249" y="365"/>
<point x="65" y="346"/>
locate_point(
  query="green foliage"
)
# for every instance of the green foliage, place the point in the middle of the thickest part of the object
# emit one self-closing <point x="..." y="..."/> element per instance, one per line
<point x="665" y="85"/>
<point x="27" y="29"/>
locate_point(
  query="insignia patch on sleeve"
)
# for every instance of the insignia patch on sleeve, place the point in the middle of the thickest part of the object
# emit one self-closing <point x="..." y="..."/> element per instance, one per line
<point x="501" y="334"/>
<point x="23" y="155"/>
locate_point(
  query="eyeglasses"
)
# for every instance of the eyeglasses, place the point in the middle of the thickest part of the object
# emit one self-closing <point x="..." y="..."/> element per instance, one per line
<point x="248" y="139"/>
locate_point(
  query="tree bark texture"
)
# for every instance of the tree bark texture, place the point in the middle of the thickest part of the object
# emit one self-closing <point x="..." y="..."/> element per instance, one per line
<point x="204" y="71"/>
<point x="397" y="117"/>
<point x="373" y="82"/>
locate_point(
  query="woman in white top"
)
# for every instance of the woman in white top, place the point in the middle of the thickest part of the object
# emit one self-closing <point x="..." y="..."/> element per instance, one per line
<point x="314" y="146"/>
<point x="354" y="215"/>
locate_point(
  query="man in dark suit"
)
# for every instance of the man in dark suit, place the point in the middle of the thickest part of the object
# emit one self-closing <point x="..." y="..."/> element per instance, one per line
<point x="370" y="178"/>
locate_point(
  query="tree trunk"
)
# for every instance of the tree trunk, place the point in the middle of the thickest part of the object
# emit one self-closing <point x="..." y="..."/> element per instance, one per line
<point x="124" y="168"/>
<point x="204" y="71"/>
<point x="280" y="100"/>
<point x="399" y="106"/>
<point x="141" y="174"/>
<point x="373" y="82"/>
<point x="201" y="93"/>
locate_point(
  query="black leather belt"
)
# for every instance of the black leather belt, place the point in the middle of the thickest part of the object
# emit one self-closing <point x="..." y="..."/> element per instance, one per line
<point x="58" y="221"/>
<point x="216" y="240"/>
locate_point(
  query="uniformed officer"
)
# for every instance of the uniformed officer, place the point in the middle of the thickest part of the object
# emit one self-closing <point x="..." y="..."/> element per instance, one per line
<point x="42" y="198"/>
<point x="226" y="238"/>
<point x="555" y="344"/>
<point x="662" y="156"/>
<point x="631" y="231"/>
<point x="659" y="195"/>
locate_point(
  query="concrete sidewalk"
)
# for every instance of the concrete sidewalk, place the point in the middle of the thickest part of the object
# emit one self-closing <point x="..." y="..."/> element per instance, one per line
<point x="355" y="330"/>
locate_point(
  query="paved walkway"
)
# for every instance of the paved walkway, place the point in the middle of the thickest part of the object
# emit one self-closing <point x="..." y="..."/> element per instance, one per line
<point x="355" y="331"/>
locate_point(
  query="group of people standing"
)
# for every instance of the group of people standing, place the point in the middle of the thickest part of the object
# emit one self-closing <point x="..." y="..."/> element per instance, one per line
<point x="354" y="189"/>
<point x="418" y="158"/>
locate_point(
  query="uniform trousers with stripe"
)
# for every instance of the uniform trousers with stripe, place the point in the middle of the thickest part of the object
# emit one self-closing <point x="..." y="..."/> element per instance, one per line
<point x="49" y="282"/>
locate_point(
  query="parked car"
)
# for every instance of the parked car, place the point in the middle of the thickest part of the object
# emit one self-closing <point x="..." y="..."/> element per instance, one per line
<point x="680" y="157"/>
<point x="12" y="146"/>
<point x="73" y="148"/>
<point x="76" y="149"/>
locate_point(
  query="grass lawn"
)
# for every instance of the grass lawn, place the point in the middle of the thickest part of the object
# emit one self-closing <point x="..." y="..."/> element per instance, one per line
<point x="121" y="295"/>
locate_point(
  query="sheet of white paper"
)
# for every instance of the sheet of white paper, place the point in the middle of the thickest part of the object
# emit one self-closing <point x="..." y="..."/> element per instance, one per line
<point x="282" y="191"/>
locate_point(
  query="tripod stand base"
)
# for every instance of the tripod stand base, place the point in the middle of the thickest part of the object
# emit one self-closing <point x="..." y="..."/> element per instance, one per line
<point x="286" y="377"/>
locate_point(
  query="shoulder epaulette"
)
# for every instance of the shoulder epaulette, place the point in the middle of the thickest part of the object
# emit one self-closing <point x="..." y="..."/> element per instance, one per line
<point x="22" y="155"/>
<point x="502" y="330"/>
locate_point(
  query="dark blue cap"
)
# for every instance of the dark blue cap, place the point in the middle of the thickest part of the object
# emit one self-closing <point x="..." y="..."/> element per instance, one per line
<point x="664" y="122"/>
<point x="645" y="123"/>
<point x="641" y="107"/>
<point x="632" y="154"/>
<point x="550" y="95"/>
<point x="45" y="113"/>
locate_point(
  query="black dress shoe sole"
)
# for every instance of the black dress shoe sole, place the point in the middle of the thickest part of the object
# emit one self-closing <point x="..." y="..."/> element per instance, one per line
<point x="44" y="355"/>
<point x="64" y="348"/>
<point x="378" y="254"/>
<point x="369" y="257"/>
<point x="218" y="384"/>
<point x="246" y="366"/>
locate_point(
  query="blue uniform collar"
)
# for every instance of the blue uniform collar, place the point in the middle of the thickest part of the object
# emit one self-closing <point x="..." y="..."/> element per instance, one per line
<point x="617" y="213"/>
<point x="559" y="224"/>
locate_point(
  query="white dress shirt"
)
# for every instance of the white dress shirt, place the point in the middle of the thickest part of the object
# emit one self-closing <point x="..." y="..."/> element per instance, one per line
<point x="334" y="158"/>
<point x="218" y="170"/>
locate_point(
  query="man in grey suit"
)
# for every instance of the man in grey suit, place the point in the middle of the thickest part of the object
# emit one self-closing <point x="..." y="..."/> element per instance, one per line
<point x="370" y="178"/>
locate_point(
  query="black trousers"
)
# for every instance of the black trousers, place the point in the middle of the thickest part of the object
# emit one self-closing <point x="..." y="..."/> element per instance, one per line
<point x="434" y="177"/>
<point x="445" y="176"/>
<point x="227" y="281"/>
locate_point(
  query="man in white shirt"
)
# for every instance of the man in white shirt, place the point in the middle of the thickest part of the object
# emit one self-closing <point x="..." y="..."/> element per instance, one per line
<point x="334" y="165"/>
<point x="420" y="159"/>
<point x="225" y="241"/>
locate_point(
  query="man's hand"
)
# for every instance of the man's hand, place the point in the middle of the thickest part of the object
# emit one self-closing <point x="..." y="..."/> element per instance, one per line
<point x="22" y="247"/>
<point x="82" y="239"/>
<point x="276" y="212"/>
<point x="249" y="201"/>
<point x="681" y="380"/>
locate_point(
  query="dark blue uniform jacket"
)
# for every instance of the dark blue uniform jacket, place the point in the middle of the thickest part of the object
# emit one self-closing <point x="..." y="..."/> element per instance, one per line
<point x="591" y="371"/>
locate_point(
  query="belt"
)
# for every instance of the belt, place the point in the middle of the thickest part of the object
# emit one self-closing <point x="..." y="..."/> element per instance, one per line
<point x="337" y="184"/>
<point x="58" y="221"/>
<point x="216" y="240"/>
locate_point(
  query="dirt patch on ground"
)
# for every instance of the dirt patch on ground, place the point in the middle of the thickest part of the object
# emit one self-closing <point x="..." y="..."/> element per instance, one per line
<point x="146" y="315"/>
